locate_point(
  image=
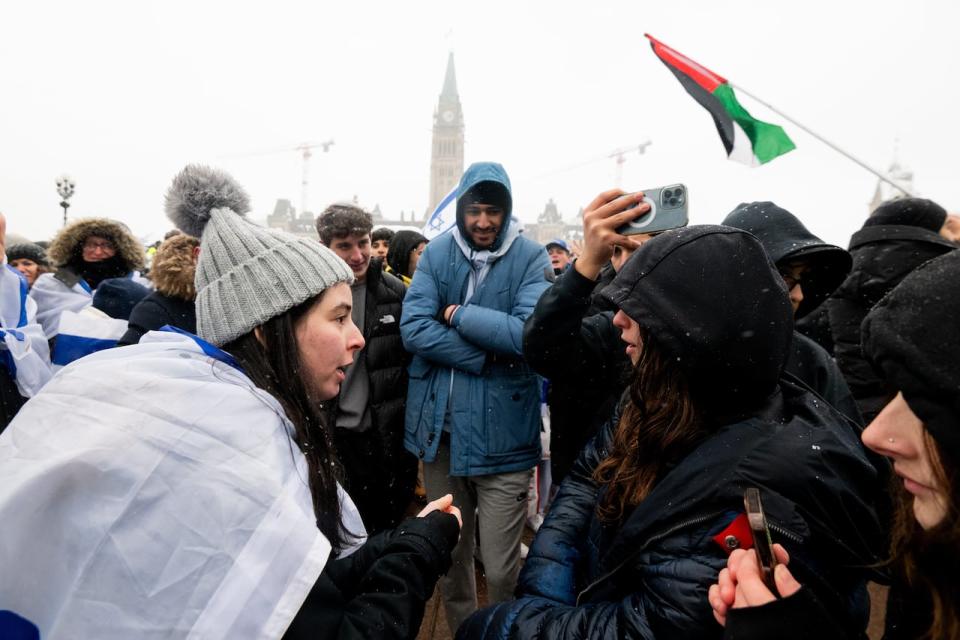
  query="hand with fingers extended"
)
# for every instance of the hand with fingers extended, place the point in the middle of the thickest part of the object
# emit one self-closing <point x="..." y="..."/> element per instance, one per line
<point x="601" y="219"/>
<point x="741" y="585"/>
<point x="444" y="504"/>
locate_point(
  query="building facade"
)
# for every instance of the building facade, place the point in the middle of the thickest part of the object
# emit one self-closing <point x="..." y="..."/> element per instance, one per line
<point x="446" y="154"/>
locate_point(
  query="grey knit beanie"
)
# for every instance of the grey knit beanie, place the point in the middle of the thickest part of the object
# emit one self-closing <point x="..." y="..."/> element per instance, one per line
<point x="246" y="274"/>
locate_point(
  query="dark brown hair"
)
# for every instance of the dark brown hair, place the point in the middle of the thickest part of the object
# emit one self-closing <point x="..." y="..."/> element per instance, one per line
<point x="341" y="220"/>
<point x="274" y="365"/>
<point x="929" y="560"/>
<point x="660" y="424"/>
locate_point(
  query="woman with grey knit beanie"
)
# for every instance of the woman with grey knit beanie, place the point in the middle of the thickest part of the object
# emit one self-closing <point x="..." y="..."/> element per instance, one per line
<point x="188" y="484"/>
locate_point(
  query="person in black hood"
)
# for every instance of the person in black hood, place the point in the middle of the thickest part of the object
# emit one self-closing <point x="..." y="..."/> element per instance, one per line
<point x="901" y="235"/>
<point x="654" y="505"/>
<point x="811" y="269"/>
<point x="404" y="253"/>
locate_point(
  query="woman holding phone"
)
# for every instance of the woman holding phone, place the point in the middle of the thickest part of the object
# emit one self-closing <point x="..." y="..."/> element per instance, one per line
<point x="919" y="430"/>
<point x="651" y="509"/>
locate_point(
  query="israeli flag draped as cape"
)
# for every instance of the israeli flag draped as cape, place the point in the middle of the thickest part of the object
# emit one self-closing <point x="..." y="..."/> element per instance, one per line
<point x="83" y="333"/>
<point x="153" y="492"/>
<point x="53" y="297"/>
<point x="24" y="352"/>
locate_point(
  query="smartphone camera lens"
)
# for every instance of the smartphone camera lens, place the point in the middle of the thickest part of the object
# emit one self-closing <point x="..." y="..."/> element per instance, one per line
<point x="673" y="202"/>
<point x="668" y="194"/>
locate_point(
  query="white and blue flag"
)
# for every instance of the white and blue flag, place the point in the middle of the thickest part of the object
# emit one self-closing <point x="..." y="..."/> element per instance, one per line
<point x="24" y="350"/>
<point x="443" y="218"/>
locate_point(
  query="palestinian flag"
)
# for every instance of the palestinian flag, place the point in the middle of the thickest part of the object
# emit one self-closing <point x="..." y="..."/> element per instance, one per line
<point x="745" y="138"/>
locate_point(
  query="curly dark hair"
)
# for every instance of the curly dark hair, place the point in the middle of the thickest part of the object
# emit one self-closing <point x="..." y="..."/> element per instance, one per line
<point x="342" y="219"/>
<point x="660" y="424"/>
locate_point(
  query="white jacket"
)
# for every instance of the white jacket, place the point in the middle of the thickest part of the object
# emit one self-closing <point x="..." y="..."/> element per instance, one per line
<point x="152" y="491"/>
<point x="24" y="348"/>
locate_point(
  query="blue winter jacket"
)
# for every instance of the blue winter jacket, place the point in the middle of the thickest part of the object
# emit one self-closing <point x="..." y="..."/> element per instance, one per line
<point x="477" y="364"/>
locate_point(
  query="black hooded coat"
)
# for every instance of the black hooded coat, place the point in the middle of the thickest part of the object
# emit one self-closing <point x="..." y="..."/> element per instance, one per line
<point x="647" y="576"/>
<point x="785" y="240"/>
<point x="883" y="255"/>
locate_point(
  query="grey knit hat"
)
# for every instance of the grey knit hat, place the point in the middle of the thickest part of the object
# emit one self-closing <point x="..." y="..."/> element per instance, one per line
<point x="246" y="274"/>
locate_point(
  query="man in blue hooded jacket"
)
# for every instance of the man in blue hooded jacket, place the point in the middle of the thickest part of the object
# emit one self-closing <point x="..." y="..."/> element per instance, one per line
<point x="473" y="404"/>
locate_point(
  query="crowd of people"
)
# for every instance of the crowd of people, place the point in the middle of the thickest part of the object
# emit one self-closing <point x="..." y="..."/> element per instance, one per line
<point x="264" y="435"/>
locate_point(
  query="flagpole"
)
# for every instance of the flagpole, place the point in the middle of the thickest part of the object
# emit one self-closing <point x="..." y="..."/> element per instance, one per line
<point x="824" y="141"/>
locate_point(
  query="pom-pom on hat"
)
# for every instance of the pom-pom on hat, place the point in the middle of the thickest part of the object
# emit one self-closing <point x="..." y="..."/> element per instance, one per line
<point x="246" y="274"/>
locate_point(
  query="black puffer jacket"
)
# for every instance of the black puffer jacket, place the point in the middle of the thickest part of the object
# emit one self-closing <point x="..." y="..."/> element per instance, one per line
<point x="380" y="474"/>
<point x="582" y="356"/>
<point x="647" y="577"/>
<point x="883" y="255"/>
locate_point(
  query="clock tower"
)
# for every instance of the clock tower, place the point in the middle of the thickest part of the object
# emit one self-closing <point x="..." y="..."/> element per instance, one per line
<point x="446" y="156"/>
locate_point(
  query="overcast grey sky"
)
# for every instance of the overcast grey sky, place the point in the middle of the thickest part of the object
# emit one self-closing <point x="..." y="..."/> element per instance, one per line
<point x="120" y="95"/>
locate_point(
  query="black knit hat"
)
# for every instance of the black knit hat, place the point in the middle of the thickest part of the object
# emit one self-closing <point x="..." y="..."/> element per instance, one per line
<point x="911" y="212"/>
<point x="28" y="250"/>
<point x="910" y="337"/>
<point x="117" y="297"/>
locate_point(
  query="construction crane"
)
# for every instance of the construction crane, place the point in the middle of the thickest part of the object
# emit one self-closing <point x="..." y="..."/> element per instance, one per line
<point x="619" y="156"/>
<point x="306" y="149"/>
<point x="306" y="152"/>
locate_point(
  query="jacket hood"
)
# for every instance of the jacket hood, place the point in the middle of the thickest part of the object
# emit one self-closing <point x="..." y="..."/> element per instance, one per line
<point x="710" y="297"/>
<point x="489" y="182"/>
<point x="66" y="245"/>
<point x="900" y="337"/>
<point x="398" y="255"/>
<point x="911" y="212"/>
<point x="786" y="239"/>
<point x="173" y="268"/>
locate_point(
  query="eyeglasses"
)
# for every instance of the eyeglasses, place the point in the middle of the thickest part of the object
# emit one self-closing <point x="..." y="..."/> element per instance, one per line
<point x="792" y="279"/>
<point x="103" y="245"/>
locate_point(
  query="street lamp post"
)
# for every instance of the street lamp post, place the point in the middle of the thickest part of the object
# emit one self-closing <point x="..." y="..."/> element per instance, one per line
<point x="65" y="187"/>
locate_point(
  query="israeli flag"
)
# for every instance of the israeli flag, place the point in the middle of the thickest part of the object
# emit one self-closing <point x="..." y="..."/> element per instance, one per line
<point x="85" y="332"/>
<point x="24" y="350"/>
<point x="443" y="218"/>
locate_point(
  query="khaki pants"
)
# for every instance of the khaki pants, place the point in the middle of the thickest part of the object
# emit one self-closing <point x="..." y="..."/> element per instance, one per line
<point x="497" y="504"/>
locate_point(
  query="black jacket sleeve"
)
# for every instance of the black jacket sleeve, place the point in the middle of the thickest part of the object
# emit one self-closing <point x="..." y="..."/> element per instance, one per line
<point x="558" y="341"/>
<point x="380" y="590"/>
<point x="146" y="316"/>
<point x="799" y="617"/>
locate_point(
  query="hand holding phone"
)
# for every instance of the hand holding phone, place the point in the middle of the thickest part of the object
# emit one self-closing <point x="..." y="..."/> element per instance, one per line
<point x="668" y="210"/>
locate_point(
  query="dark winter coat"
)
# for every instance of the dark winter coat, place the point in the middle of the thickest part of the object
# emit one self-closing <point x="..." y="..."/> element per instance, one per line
<point x="581" y="355"/>
<point x="380" y="474"/>
<point x="172" y="304"/>
<point x="883" y="255"/>
<point x="380" y="590"/>
<point x="157" y="310"/>
<point x="647" y="576"/>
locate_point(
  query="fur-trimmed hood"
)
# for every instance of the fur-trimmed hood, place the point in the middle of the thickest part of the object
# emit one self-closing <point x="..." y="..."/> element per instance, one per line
<point x="173" y="267"/>
<point x="65" y="245"/>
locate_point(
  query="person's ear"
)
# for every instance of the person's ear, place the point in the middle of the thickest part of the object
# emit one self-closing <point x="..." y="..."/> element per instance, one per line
<point x="258" y="334"/>
<point x="196" y="254"/>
